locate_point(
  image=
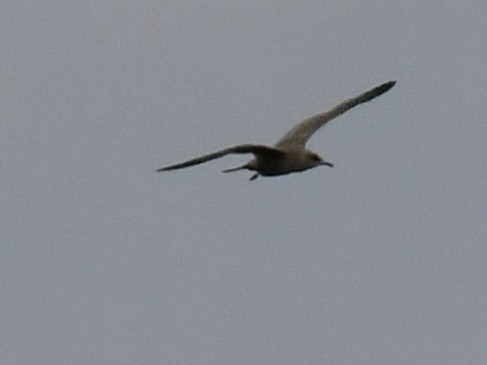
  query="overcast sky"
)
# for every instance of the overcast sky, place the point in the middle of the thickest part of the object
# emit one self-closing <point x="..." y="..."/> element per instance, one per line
<point x="380" y="260"/>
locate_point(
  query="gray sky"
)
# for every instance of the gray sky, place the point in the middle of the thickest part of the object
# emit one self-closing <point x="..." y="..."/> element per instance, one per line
<point x="380" y="260"/>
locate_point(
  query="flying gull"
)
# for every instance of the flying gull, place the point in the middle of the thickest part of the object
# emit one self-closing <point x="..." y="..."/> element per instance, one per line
<point x="289" y="154"/>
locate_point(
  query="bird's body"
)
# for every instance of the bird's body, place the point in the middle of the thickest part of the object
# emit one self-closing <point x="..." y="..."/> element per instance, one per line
<point x="285" y="162"/>
<point x="289" y="153"/>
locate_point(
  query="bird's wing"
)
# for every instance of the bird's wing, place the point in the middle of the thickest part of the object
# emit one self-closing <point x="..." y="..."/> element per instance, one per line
<point x="299" y="135"/>
<point x="258" y="150"/>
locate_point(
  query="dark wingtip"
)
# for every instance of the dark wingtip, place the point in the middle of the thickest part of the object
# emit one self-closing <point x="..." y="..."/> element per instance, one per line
<point x="377" y="91"/>
<point x="386" y="86"/>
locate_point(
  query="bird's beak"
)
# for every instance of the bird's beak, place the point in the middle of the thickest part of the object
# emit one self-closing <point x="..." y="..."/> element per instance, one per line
<point x="325" y="163"/>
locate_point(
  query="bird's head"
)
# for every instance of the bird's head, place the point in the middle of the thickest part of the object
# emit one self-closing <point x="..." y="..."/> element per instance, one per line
<point x="316" y="160"/>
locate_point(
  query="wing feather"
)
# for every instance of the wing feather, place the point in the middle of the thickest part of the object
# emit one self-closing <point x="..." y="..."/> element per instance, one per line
<point x="299" y="135"/>
<point x="258" y="150"/>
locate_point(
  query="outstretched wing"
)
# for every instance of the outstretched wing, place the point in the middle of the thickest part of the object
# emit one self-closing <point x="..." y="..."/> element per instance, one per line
<point x="258" y="150"/>
<point x="299" y="135"/>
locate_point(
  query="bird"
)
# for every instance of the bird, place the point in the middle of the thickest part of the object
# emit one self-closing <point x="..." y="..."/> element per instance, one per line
<point x="289" y="154"/>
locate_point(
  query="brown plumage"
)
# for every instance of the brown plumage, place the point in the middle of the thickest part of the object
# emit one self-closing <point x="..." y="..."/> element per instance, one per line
<point x="289" y="153"/>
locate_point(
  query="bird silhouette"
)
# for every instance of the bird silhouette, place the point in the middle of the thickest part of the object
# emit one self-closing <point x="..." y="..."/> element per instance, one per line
<point x="289" y="154"/>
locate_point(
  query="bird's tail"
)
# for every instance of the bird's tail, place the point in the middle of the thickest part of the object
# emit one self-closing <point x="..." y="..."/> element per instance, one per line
<point x="243" y="167"/>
